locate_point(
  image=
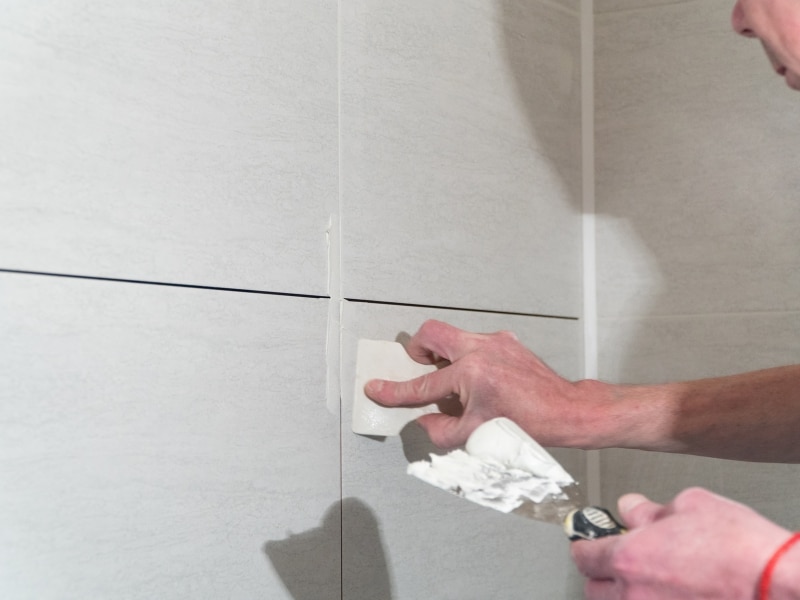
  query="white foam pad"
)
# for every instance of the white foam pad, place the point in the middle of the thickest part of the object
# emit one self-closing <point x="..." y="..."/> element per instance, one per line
<point x="379" y="359"/>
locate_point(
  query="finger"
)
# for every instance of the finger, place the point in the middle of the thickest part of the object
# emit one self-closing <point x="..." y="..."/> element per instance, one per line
<point x="601" y="589"/>
<point x="446" y="431"/>
<point x="421" y="391"/>
<point x="436" y="340"/>
<point x="593" y="557"/>
<point x="636" y="510"/>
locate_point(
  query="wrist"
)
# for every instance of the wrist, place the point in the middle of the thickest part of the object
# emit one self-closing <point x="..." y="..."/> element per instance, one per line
<point x="625" y="416"/>
<point x="598" y="415"/>
<point x="783" y="573"/>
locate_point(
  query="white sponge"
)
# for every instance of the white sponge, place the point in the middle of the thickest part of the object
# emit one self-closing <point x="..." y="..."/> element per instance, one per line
<point x="379" y="359"/>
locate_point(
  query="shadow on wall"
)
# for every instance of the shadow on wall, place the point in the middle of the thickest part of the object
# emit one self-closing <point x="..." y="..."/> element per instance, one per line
<point x="688" y="222"/>
<point x="697" y="214"/>
<point x="544" y="63"/>
<point x="320" y="564"/>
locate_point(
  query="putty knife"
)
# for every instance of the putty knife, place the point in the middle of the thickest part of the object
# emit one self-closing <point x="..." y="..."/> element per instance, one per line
<point x="579" y="523"/>
<point x="506" y="449"/>
<point x="503" y="468"/>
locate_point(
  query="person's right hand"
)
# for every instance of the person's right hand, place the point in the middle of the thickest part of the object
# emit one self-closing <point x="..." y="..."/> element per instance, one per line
<point x="700" y="545"/>
<point x="492" y="375"/>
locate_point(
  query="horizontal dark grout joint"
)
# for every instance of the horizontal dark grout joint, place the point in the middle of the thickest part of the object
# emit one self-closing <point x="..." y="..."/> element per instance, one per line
<point x="463" y="309"/>
<point x="162" y="283"/>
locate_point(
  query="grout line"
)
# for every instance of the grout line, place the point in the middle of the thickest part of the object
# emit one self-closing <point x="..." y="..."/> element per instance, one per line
<point x="335" y="370"/>
<point x="162" y="283"/>
<point x="334" y="236"/>
<point x="590" y="331"/>
<point x="461" y="308"/>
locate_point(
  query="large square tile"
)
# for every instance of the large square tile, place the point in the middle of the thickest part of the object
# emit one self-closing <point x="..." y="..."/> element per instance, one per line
<point x="193" y="143"/>
<point x="461" y="148"/>
<point x="410" y="540"/>
<point x="158" y="442"/>
<point x="696" y="176"/>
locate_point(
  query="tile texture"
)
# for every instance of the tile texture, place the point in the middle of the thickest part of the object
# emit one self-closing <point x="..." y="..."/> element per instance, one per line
<point x="696" y="177"/>
<point x="164" y="443"/>
<point x="461" y="154"/>
<point x="170" y="143"/>
<point x="696" y="238"/>
<point x="412" y="540"/>
<point x="682" y="348"/>
<point x="606" y="6"/>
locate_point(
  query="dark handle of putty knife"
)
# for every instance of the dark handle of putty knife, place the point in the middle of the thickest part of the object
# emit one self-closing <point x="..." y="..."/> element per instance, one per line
<point x="591" y="523"/>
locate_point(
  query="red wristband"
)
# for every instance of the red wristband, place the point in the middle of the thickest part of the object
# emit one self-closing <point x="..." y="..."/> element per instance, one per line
<point x="766" y="575"/>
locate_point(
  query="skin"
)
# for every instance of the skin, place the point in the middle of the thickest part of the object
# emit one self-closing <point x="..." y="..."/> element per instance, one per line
<point x="700" y="545"/>
<point x="753" y="416"/>
<point x="777" y="24"/>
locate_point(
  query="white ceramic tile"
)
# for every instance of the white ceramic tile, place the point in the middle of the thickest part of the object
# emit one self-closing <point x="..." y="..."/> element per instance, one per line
<point x="696" y="175"/>
<point x="693" y="347"/>
<point x="770" y="489"/>
<point x="192" y="143"/>
<point x="461" y="146"/>
<point x="670" y="349"/>
<point x="160" y="442"/>
<point x="409" y="540"/>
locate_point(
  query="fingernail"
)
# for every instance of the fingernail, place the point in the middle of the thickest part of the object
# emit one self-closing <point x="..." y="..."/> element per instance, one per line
<point x="373" y="386"/>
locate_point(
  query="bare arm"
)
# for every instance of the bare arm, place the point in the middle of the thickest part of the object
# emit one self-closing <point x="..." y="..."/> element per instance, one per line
<point x="753" y="416"/>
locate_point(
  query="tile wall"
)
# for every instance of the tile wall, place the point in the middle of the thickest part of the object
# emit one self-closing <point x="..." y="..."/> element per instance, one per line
<point x="197" y="200"/>
<point x="697" y="248"/>
<point x="194" y="199"/>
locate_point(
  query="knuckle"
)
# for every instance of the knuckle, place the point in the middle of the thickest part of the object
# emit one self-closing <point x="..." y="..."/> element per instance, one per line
<point x="418" y="387"/>
<point x="430" y="326"/>
<point x="691" y="497"/>
<point x="507" y="335"/>
<point x="429" y="323"/>
<point x="473" y="368"/>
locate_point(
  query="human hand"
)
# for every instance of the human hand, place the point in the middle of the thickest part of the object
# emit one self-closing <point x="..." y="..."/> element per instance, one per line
<point x="492" y="375"/>
<point x="700" y="545"/>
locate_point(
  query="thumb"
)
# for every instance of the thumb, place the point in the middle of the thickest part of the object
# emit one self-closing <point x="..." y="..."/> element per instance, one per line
<point x="636" y="510"/>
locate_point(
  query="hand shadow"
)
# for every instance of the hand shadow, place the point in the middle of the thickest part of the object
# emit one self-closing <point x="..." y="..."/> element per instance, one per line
<point x="342" y="558"/>
<point x="416" y="443"/>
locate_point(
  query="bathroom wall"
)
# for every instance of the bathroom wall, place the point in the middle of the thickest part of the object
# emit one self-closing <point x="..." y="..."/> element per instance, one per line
<point x="460" y="179"/>
<point x="160" y="440"/>
<point x="203" y="208"/>
<point x="697" y="250"/>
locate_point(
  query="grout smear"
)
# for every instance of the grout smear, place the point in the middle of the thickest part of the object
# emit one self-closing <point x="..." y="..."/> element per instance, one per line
<point x="501" y="467"/>
<point x="333" y="349"/>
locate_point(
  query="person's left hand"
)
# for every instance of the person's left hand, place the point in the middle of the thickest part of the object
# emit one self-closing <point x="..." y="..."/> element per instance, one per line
<point x="700" y="545"/>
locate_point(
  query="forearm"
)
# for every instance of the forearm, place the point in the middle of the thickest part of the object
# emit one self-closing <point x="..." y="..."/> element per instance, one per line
<point x="752" y="416"/>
